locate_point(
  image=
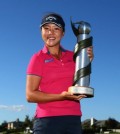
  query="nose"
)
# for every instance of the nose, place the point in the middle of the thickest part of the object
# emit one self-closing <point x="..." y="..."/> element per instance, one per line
<point x="51" y="31"/>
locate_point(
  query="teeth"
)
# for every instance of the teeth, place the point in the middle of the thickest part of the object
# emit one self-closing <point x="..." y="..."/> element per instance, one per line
<point x="51" y="38"/>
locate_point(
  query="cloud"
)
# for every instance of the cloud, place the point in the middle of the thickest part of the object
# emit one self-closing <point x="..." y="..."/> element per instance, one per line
<point x="16" y="108"/>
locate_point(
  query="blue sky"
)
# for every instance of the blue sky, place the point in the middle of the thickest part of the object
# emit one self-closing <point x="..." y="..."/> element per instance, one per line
<point x="20" y="38"/>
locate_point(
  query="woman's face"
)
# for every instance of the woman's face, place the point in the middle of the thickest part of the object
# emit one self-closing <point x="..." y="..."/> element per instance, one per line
<point x="52" y="34"/>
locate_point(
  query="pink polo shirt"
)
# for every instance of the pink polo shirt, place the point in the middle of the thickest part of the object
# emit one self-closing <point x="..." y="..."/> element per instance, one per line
<point x="57" y="76"/>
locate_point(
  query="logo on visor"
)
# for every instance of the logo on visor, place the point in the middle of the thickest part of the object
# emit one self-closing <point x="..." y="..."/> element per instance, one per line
<point x="50" y="18"/>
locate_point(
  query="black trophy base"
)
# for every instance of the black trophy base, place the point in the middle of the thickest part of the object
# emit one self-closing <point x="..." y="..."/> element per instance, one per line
<point x="80" y="90"/>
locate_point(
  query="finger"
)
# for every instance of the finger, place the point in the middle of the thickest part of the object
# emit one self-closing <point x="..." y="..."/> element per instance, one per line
<point x="81" y="97"/>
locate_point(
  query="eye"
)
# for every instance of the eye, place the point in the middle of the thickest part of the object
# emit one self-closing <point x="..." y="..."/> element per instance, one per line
<point x="56" y="28"/>
<point x="46" y="28"/>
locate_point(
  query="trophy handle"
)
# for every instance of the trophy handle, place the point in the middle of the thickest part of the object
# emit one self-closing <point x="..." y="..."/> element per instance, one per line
<point x="75" y="30"/>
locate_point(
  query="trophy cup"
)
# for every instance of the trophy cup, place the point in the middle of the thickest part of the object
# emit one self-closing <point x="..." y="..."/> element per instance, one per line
<point x="83" y="65"/>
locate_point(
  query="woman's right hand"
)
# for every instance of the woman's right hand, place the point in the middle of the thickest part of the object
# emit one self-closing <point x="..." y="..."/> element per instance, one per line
<point x="69" y="96"/>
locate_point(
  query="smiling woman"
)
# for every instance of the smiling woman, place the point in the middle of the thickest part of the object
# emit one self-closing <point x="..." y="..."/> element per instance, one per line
<point x="49" y="74"/>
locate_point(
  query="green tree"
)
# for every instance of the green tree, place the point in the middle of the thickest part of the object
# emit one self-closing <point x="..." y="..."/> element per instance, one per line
<point x="111" y="123"/>
<point x="3" y="126"/>
<point x="27" y="122"/>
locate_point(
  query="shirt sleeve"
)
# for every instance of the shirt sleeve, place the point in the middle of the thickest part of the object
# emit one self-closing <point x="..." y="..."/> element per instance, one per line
<point x="35" y="65"/>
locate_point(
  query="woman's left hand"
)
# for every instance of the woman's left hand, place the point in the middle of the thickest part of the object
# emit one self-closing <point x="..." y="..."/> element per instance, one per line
<point x="90" y="52"/>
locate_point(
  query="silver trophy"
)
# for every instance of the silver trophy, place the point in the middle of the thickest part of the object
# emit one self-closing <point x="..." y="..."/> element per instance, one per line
<point x="83" y="64"/>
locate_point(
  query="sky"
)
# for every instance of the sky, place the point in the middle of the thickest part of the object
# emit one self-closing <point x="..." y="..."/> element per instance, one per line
<point x="20" y="38"/>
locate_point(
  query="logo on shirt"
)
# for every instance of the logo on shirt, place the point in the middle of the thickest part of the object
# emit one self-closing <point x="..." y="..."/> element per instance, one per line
<point x="48" y="60"/>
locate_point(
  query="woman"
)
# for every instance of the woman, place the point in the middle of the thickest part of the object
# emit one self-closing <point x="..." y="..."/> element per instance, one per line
<point x="49" y="75"/>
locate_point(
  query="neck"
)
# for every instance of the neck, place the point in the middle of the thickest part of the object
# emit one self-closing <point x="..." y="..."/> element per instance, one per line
<point x="55" y="52"/>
